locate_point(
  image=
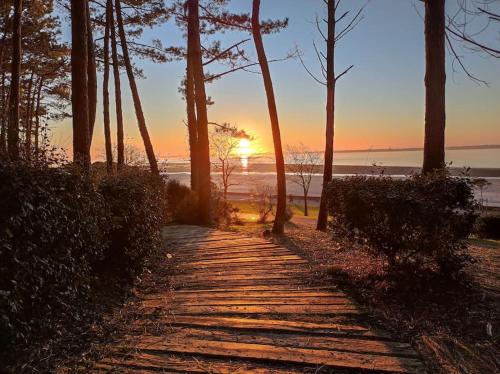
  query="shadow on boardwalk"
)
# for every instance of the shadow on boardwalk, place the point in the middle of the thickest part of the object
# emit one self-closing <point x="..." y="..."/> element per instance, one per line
<point x="243" y="305"/>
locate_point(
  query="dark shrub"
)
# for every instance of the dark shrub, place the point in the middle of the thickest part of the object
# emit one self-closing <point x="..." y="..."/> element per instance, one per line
<point x="136" y="203"/>
<point x="182" y="203"/>
<point x="488" y="226"/>
<point x="223" y="212"/>
<point x="52" y="227"/>
<point x="61" y="237"/>
<point x="419" y="221"/>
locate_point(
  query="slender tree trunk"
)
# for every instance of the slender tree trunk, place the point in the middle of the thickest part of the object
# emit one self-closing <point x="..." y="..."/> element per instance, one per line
<point x="435" y="84"/>
<point x="306" y="207"/>
<point x="91" y="76"/>
<point x="37" y="117"/>
<point x="279" y="220"/>
<point x="3" y="125"/>
<point x="192" y="126"/>
<point x="79" y="89"/>
<point x="13" y="129"/>
<point x="120" y="144"/>
<point x="330" y="117"/>
<point x="29" y="118"/>
<point x="105" y="91"/>
<point x="135" y="94"/>
<point x="5" y="8"/>
<point x="195" y="58"/>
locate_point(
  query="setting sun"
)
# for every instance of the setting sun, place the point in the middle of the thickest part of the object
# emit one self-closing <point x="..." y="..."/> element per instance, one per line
<point x="244" y="148"/>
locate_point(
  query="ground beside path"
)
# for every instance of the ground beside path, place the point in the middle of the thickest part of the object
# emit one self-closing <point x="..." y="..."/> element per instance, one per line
<point x="245" y="305"/>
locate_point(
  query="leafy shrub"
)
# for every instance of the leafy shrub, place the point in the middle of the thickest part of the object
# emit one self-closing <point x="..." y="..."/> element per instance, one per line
<point x="135" y="201"/>
<point x="51" y="230"/>
<point x="488" y="226"/>
<point x="182" y="203"/>
<point x="61" y="235"/>
<point x="419" y="221"/>
<point x="223" y="212"/>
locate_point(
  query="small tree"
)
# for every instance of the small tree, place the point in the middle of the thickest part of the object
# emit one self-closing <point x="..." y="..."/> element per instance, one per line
<point x="302" y="163"/>
<point x="262" y="196"/>
<point x="224" y="140"/>
<point x="481" y="184"/>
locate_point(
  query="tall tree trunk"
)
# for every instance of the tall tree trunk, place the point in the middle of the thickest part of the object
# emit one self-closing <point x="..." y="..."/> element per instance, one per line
<point x="195" y="58"/>
<point x="120" y="144"/>
<point x="135" y="94"/>
<point x="91" y="76"/>
<point x="105" y="91"/>
<point x="29" y="119"/>
<point x="279" y="220"/>
<point x="13" y="129"/>
<point x="330" y="117"/>
<point x="37" y="117"/>
<point x="192" y="125"/>
<point x="435" y="86"/>
<point x="79" y="89"/>
<point x="25" y="111"/>
<point x="3" y="124"/>
<point x="5" y="22"/>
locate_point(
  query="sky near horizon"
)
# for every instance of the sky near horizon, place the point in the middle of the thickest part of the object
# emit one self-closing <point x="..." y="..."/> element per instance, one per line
<point x="379" y="103"/>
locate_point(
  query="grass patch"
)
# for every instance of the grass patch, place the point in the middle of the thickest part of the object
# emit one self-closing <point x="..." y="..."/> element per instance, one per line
<point x="247" y="207"/>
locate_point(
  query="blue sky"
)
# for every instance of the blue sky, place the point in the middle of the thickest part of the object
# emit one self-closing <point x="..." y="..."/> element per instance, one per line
<point x="379" y="104"/>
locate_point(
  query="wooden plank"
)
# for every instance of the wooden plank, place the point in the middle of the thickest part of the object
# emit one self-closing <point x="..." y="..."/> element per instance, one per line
<point x="295" y="258"/>
<point x="225" y="283"/>
<point x="256" y="287"/>
<point x="227" y="246"/>
<point x="272" y="325"/>
<point x="208" y="239"/>
<point x="229" y="256"/>
<point x="270" y="266"/>
<point x="282" y="354"/>
<point x="227" y="252"/>
<point x="343" y="344"/>
<point x="238" y="271"/>
<point x="254" y="301"/>
<point x="256" y="294"/>
<point x="258" y="309"/>
<point x="158" y="362"/>
<point x="232" y="277"/>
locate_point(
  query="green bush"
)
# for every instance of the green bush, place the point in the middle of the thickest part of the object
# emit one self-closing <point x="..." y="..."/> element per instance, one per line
<point x="419" y="221"/>
<point x="61" y="235"/>
<point x="182" y="203"/>
<point x="488" y="226"/>
<point x="136" y="204"/>
<point x="51" y="230"/>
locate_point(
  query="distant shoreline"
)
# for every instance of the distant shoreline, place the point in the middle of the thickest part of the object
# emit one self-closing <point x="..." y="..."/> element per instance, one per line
<point x="458" y="147"/>
<point x="264" y="168"/>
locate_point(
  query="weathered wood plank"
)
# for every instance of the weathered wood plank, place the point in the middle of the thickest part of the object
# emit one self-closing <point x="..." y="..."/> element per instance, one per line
<point x="283" y="354"/>
<point x="343" y="344"/>
<point x="270" y="325"/>
<point x="257" y="309"/>
<point x="158" y="362"/>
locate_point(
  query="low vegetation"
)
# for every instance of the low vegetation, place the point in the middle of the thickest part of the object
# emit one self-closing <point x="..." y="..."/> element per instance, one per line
<point x="420" y="222"/>
<point x="488" y="226"/>
<point x="64" y="235"/>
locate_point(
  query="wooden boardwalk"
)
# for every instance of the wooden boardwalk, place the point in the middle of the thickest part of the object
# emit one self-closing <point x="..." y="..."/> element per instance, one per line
<point x="245" y="305"/>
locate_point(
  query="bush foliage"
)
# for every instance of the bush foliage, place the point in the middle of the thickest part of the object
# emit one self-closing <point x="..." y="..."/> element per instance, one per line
<point x="419" y="221"/>
<point x="488" y="226"/>
<point x="59" y="232"/>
